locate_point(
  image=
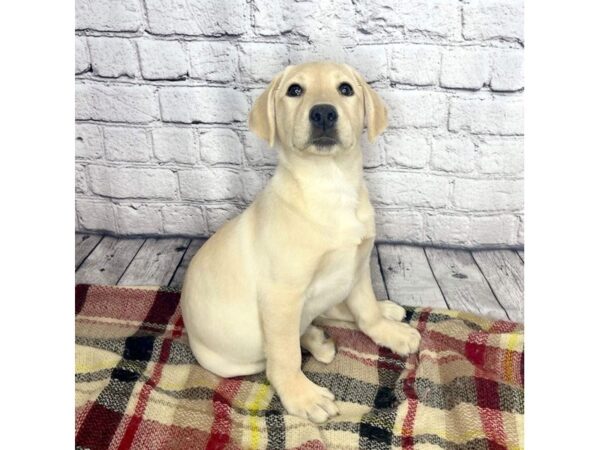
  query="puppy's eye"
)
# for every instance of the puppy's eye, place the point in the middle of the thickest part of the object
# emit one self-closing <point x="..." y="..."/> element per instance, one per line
<point x="346" y="89"/>
<point x="295" y="90"/>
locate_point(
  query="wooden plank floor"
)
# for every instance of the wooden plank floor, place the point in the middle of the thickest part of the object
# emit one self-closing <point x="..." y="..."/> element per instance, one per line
<point x="485" y="282"/>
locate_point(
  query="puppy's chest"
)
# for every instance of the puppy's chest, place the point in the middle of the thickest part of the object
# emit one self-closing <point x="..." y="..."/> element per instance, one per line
<point x="332" y="282"/>
<point x="346" y="221"/>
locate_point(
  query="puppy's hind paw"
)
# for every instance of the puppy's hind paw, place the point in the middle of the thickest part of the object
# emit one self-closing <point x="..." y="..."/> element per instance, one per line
<point x="318" y="344"/>
<point x="325" y="353"/>
<point x="391" y="310"/>
<point x="401" y="338"/>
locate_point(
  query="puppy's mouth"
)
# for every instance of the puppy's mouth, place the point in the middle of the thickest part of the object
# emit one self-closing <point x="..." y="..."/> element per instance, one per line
<point x="324" y="141"/>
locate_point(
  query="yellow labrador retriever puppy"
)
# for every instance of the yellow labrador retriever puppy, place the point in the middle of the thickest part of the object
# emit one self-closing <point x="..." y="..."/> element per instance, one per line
<point x="301" y="249"/>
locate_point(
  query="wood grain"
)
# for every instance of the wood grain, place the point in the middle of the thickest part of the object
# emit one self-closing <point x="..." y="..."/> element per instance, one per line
<point x="108" y="261"/>
<point x="155" y="263"/>
<point x="84" y="244"/>
<point x="408" y="276"/>
<point x="177" y="280"/>
<point x="377" y="277"/>
<point x="503" y="269"/>
<point x="462" y="283"/>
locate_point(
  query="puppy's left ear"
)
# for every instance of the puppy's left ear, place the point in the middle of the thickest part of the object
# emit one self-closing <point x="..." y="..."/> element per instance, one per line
<point x="376" y="116"/>
<point x="262" y="114"/>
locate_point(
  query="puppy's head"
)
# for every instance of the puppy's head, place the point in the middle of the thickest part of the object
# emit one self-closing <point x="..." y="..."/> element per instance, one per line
<point x="319" y="108"/>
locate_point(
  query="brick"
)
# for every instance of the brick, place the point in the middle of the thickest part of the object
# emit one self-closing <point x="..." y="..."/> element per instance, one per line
<point x="269" y="18"/>
<point x="132" y="182"/>
<point x="88" y="141"/>
<point x="308" y="20"/>
<point x="399" y="19"/>
<point x="453" y="155"/>
<point x="82" y="55"/>
<point x="415" y="64"/>
<point x="162" y="60"/>
<point x="501" y="115"/>
<point x="447" y="229"/>
<point x="197" y="17"/>
<point x="373" y="154"/>
<point x="465" y="68"/>
<point x="419" y="109"/>
<point x="407" y="189"/>
<point x="407" y="150"/>
<point x="202" y="105"/>
<point x="432" y="17"/>
<point x="135" y="104"/>
<point x="493" y="230"/>
<point x="172" y="144"/>
<point x="113" y="57"/>
<point x="501" y="156"/>
<point x="324" y="51"/>
<point x="217" y="216"/>
<point x="258" y="152"/>
<point x="210" y="184"/>
<point x="220" y="146"/>
<point x="398" y="225"/>
<point x="127" y="144"/>
<point x="493" y="19"/>
<point x="213" y="61"/>
<point x="261" y="62"/>
<point x="507" y="70"/>
<point x="370" y="60"/>
<point x="488" y="195"/>
<point x="184" y="219"/>
<point x="80" y="179"/>
<point x="108" y="15"/>
<point x="299" y="54"/>
<point x="521" y="230"/>
<point x="376" y="20"/>
<point x="95" y="215"/>
<point x="139" y="219"/>
<point x="252" y="183"/>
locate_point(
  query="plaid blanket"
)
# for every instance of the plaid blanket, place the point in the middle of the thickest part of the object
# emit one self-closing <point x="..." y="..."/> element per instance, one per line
<point x="139" y="386"/>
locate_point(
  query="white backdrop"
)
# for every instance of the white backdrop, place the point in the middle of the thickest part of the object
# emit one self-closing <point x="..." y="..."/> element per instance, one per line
<point x="163" y="89"/>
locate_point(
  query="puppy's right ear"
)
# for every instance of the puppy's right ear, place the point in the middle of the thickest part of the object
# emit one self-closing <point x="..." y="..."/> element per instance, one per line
<point x="376" y="115"/>
<point x="262" y="114"/>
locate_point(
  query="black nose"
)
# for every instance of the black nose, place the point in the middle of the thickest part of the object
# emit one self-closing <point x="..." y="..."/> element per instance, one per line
<point x="323" y="116"/>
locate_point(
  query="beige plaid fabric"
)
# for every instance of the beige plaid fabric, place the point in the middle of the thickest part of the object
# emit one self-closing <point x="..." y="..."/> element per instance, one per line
<point x="139" y="386"/>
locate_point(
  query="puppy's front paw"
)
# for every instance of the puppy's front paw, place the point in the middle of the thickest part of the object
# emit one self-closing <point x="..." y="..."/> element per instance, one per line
<point x="398" y="337"/>
<point x="302" y="398"/>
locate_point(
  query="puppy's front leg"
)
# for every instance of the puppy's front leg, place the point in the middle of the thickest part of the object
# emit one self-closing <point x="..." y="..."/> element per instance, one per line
<point x="280" y="316"/>
<point x="398" y="337"/>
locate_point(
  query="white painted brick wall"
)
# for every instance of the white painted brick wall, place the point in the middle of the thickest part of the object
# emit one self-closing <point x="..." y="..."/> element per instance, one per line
<point x="113" y="57"/>
<point x="163" y="90"/>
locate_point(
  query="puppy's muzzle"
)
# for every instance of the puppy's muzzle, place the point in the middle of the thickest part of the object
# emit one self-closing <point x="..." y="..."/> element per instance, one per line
<point x="323" y="119"/>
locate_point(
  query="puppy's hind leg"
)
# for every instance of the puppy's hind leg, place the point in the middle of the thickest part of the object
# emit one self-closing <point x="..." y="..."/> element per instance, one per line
<point x="388" y="308"/>
<point x="318" y="344"/>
